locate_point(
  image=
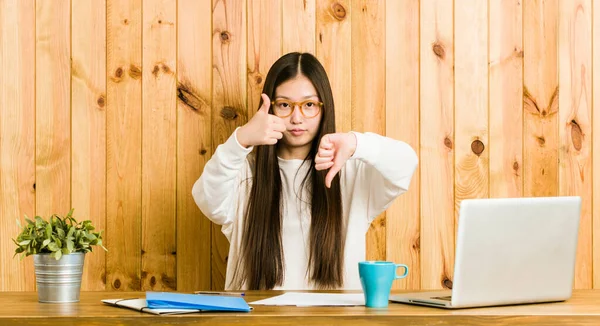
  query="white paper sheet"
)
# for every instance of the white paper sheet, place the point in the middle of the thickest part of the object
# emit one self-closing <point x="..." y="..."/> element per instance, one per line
<point x="301" y="299"/>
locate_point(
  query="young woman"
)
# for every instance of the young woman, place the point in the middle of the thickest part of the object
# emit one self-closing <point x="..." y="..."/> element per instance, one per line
<point x="295" y="198"/>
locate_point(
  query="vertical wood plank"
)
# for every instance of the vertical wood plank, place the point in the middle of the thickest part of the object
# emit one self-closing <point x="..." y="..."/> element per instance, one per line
<point x="506" y="98"/>
<point x="368" y="91"/>
<point x="575" y="124"/>
<point x="229" y="99"/>
<point x="88" y="97"/>
<point x="437" y="143"/>
<point x="17" y="137"/>
<point x="264" y="46"/>
<point x="596" y="144"/>
<point x="540" y="98"/>
<point x="402" y="122"/>
<point x="124" y="142"/>
<point x="194" y="64"/>
<point x="159" y="137"/>
<point x="298" y="25"/>
<point x="334" y="41"/>
<point x="53" y="107"/>
<point x="471" y="101"/>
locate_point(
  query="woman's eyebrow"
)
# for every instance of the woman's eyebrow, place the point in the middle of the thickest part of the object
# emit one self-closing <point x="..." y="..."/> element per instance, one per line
<point x="287" y="98"/>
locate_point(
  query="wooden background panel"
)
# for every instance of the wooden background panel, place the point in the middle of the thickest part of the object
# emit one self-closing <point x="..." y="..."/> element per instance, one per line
<point x="124" y="144"/>
<point x="506" y="98"/>
<point x="17" y="137"/>
<point x="334" y="41"/>
<point x="298" y="25"/>
<point x="194" y="147"/>
<point x="402" y="123"/>
<point x="71" y="130"/>
<point x="575" y="114"/>
<point x="88" y="121"/>
<point x="264" y="47"/>
<point x="436" y="98"/>
<point x="159" y="114"/>
<point x="596" y="145"/>
<point x="540" y="98"/>
<point x="471" y="101"/>
<point x="229" y="99"/>
<point x="368" y="91"/>
<point x="53" y="107"/>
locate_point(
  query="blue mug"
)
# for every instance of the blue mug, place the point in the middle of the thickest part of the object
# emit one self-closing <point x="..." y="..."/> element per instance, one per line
<point x="376" y="278"/>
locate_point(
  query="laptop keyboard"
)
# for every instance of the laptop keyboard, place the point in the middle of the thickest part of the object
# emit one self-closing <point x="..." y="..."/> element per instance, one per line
<point x="447" y="298"/>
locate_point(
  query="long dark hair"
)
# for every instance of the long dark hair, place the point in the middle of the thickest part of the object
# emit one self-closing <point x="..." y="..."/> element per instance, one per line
<point x="261" y="252"/>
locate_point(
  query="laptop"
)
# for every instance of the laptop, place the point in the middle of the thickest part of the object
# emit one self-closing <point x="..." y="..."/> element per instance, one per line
<point x="510" y="251"/>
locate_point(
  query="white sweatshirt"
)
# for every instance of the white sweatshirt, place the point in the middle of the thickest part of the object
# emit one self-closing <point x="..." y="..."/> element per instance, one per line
<point x="379" y="171"/>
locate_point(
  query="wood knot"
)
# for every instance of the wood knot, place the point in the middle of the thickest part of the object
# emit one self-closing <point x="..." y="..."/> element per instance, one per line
<point x="174" y="253"/>
<point x="135" y="72"/>
<point x="34" y="186"/>
<point x="447" y="284"/>
<point x="190" y="99"/>
<point x="166" y="69"/>
<point x="226" y="258"/>
<point x="258" y="80"/>
<point x="119" y="72"/>
<point x="339" y="12"/>
<point x="152" y="281"/>
<point x="518" y="52"/>
<point x="143" y="251"/>
<point x="125" y="21"/>
<point x="439" y="51"/>
<point x="202" y="151"/>
<point x="155" y="70"/>
<point x="169" y="282"/>
<point x="228" y="113"/>
<point x="544" y="112"/>
<point x="477" y="147"/>
<point x="448" y="143"/>
<point x="101" y="101"/>
<point x="417" y="244"/>
<point x="225" y="36"/>
<point x="541" y="141"/>
<point x="144" y="274"/>
<point x="160" y="21"/>
<point x="576" y="135"/>
<point x="117" y="284"/>
<point x="516" y="166"/>
<point x="321" y="38"/>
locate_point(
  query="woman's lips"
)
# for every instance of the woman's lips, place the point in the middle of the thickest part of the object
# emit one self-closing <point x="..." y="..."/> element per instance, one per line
<point x="297" y="132"/>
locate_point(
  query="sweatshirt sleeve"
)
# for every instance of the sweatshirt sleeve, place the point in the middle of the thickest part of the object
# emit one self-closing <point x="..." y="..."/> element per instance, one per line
<point x="388" y="167"/>
<point x="216" y="191"/>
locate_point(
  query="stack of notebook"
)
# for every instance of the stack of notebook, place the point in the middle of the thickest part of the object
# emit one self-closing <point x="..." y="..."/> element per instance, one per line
<point x="178" y="303"/>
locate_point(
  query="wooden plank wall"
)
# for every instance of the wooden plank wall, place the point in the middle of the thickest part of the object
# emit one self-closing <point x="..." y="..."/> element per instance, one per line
<point x="114" y="106"/>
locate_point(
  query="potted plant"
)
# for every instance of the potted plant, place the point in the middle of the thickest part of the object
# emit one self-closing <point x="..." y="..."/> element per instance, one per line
<point x="58" y="246"/>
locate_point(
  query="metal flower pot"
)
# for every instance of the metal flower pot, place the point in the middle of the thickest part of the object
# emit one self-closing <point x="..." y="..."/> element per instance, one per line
<point x="58" y="281"/>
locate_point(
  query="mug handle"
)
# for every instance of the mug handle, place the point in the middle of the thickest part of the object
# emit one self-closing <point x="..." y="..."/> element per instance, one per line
<point x="405" y="271"/>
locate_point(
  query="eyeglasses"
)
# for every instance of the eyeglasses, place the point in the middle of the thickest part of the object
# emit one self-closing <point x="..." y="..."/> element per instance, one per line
<point x="284" y="108"/>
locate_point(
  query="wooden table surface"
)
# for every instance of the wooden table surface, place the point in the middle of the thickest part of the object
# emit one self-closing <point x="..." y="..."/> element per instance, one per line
<point x="22" y="308"/>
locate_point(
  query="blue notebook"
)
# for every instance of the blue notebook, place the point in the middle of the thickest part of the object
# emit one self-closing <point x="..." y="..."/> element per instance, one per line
<point x="166" y="300"/>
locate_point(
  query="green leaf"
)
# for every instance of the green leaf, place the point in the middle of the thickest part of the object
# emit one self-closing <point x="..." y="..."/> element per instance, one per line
<point x="56" y="254"/>
<point x="45" y="243"/>
<point x="24" y="242"/>
<point x="52" y="246"/>
<point x="48" y="230"/>
<point x="70" y="246"/>
<point x="61" y="233"/>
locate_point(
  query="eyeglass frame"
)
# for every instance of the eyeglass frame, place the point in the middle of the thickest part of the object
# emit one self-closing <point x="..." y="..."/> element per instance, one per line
<point x="299" y="105"/>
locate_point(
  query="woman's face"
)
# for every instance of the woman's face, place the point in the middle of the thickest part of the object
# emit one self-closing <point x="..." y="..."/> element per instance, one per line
<point x="300" y="129"/>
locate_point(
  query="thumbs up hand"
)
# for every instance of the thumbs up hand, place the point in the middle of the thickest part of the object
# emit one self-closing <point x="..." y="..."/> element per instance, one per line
<point x="263" y="128"/>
